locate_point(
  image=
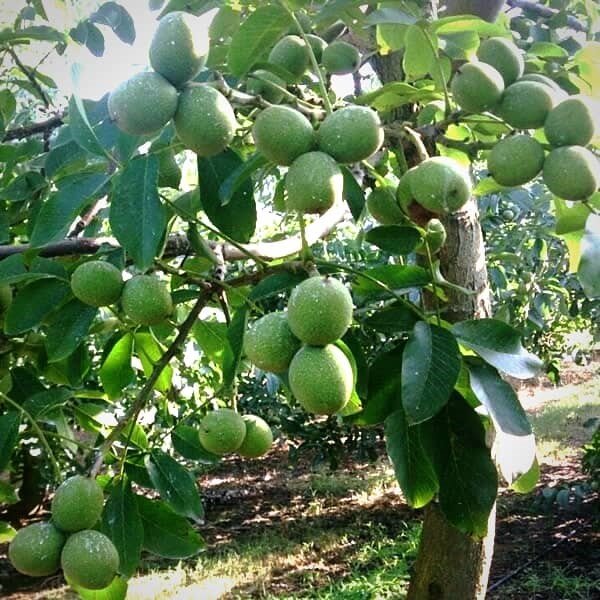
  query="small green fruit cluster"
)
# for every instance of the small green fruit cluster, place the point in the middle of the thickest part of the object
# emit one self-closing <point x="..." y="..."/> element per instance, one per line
<point x="528" y="102"/>
<point x="87" y="557"/>
<point x="204" y="119"/>
<point x="224" y="431"/>
<point x="144" y="298"/>
<point x="302" y="342"/>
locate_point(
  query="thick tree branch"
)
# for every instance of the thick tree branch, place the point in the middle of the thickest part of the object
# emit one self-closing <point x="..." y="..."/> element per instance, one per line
<point x="546" y="12"/>
<point x="26" y="131"/>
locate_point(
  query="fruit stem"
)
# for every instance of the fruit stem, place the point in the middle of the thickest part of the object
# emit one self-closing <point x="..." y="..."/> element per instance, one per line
<point x="436" y="300"/>
<point x="39" y="433"/>
<point x="373" y="172"/>
<point x="306" y="252"/>
<point x="589" y="206"/>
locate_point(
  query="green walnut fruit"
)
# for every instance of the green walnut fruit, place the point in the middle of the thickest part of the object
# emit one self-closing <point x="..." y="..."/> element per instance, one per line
<point x="304" y="21"/>
<point x="572" y="123"/>
<point x="351" y="134"/>
<point x="572" y="172"/>
<point x="282" y="134"/>
<point x="270" y="343"/>
<point x="477" y="87"/>
<point x="291" y="54"/>
<point x="5" y="298"/>
<point x="320" y="310"/>
<point x="169" y="173"/>
<point x="317" y="45"/>
<point x="404" y="194"/>
<point x="146" y="300"/>
<point x="559" y="93"/>
<point x="204" y="121"/>
<point x="384" y="207"/>
<point x="266" y="84"/>
<point x="90" y="560"/>
<point x="143" y="104"/>
<point x="515" y="160"/>
<point x="222" y="431"/>
<point x="314" y="183"/>
<point x="504" y="56"/>
<point x="526" y="104"/>
<point x="35" y="550"/>
<point x="340" y="58"/>
<point x="97" y="283"/>
<point x="77" y="504"/>
<point x="179" y="47"/>
<point x="440" y="185"/>
<point x="258" y="439"/>
<point x="321" y="379"/>
<point x="435" y="238"/>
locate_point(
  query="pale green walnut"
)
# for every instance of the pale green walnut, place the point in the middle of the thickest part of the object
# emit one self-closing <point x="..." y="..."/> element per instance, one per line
<point x="351" y="134"/>
<point x="291" y="53"/>
<point x="314" y="183"/>
<point x="143" y="104"/>
<point x="317" y="44"/>
<point x="572" y="172"/>
<point x="146" y="300"/>
<point x="97" y="283"/>
<point x="477" y="87"/>
<point x="35" y="550"/>
<point x="204" y="121"/>
<point x="258" y="439"/>
<point x="222" y="431"/>
<point x="340" y="58"/>
<point x="435" y="238"/>
<point x="440" y="185"/>
<point x="320" y="310"/>
<point x="270" y="344"/>
<point x="572" y="123"/>
<point x="179" y="47"/>
<point x="169" y="173"/>
<point x="504" y="56"/>
<point x="384" y="207"/>
<point x="526" y="104"/>
<point x="90" y="560"/>
<point x="515" y="160"/>
<point x="77" y="504"/>
<point x="266" y="84"/>
<point x="559" y="93"/>
<point x="282" y="134"/>
<point x="321" y="379"/>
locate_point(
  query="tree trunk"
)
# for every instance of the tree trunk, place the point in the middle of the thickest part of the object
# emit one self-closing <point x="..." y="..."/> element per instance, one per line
<point x="452" y="565"/>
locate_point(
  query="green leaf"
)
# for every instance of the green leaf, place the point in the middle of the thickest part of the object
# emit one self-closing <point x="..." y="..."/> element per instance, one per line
<point x="118" y="19"/>
<point x="117" y="590"/>
<point x="40" y="404"/>
<point x="395" y="239"/>
<point x="527" y="482"/>
<point x="42" y="33"/>
<point x="238" y="218"/>
<point x="412" y="464"/>
<point x="94" y="41"/>
<point x="167" y="534"/>
<point x="68" y="328"/>
<point x="116" y="372"/>
<point x="275" y="284"/>
<point x="256" y="36"/>
<point x="137" y="217"/>
<point x="7" y="532"/>
<point x="186" y="442"/>
<point x="395" y="277"/>
<point x="418" y="55"/>
<point x="233" y="352"/>
<point x="488" y="186"/>
<point x="122" y="523"/>
<point x="149" y="351"/>
<point x="33" y="303"/>
<point x="390" y="15"/>
<point x="392" y="319"/>
<point x="572" y="216"/>
<point x="588" y="272"/>
<point x="9" y="434"/>
<point x="60" y="210"/>
<point x="498" y="344"/>
<point x="397" y="94"/>
<point x="81" y="128"/>
<point x="175" y="485"/>
<point x="12" y="269"/>
<point x="467" y="475"/>
<point x="212" y="338"/>
<point x="8" y="495"/>
<point x="430" y="368"/>
<point x="353" y="193"/>
<point x="547" y="50"/>
<point x="461" y="23"/>
<point x="23" y="187"/>
<point x="240" y="175"/>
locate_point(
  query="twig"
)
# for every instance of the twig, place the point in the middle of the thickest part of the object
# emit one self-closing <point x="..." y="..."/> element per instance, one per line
<point x="29" y="74"/>
<point x="26" y="131"/>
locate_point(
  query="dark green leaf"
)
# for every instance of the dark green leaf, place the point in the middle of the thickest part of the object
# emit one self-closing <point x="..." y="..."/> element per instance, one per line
<point x="238" y="218"/>
<point x="233" y="352"/>
<point x="498" y="344"/>
<point x="186" y="442"/>
<point x="430" y="368"/>
<point x="390" y="15"/>
<point x="167" y="534"/>
<point x="118" y="19"/>
<point x="94" y="40"/>
<point x="239" y="176"/>
<point x="8" y="495"/>
<point x="256" y="36"/>
<point x="42" y="403"/>
<point x="353" y="193"/>
<point x="395" y="239"/>
<point x="122" y="523"/>
<point x="175" y="485"/>
<point x="23" y="187"/>
<point x="69" y="155"/>
<point x="9" y="434"/>
<point x="137" y="217"/>
<point x="395" y="277"/>
<point x="412" y="464"/>
<point x="68" y="328"/>
<point x="116" y="372"/>
<point x="275" y="284"/>
<point x="25" y="35"/>
<point x="81" y="128"/>
<point x="392" y="319"/>
<point x="33" y="303"/>
<point x="12" y="268"/>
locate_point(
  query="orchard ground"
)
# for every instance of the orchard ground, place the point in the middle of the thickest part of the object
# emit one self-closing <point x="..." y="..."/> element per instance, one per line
<point x="279" y="531"/>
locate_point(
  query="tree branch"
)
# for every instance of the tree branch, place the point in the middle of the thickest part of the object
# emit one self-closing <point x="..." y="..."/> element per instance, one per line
<point x="46" y="126"/>
<point x="546" y="12"/>
<point x="30" y="76"/>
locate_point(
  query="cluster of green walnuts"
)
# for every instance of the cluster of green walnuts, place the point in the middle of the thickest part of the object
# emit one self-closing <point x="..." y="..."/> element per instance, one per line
<point x="302" y="342"/>
<point x="69" y="540"/>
